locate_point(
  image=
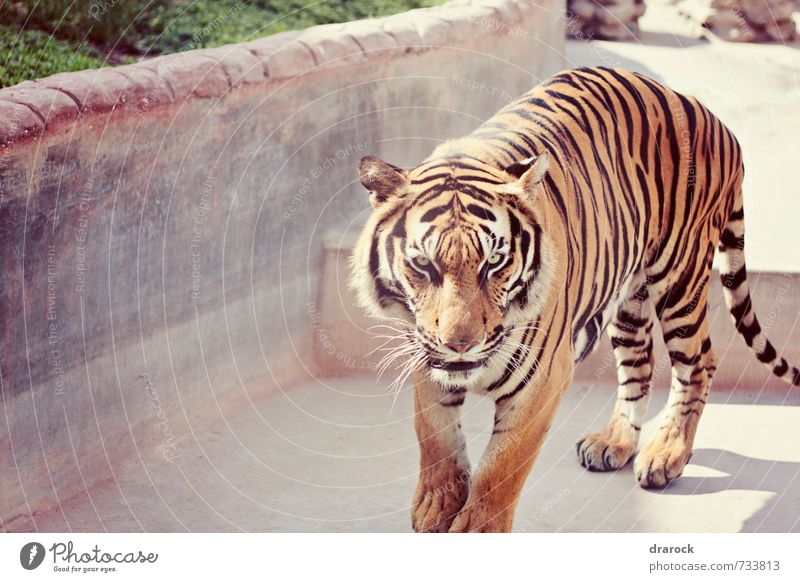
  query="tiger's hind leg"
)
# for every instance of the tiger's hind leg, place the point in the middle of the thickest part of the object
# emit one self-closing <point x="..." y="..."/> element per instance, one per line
<point x="631" y="338"/>
<point x="682" y="313"/>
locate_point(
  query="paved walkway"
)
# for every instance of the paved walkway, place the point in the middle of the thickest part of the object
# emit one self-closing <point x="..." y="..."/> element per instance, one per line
<point x="336" y="456"/>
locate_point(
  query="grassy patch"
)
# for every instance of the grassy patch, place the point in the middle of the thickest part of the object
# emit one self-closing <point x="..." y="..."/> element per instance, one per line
<point x="76" y="34"/>
<point x="31" y="54"/>
<point x="176" y="26"/>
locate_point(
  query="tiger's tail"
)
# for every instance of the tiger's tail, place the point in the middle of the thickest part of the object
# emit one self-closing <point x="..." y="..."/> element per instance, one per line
<point x="737" y="297"/>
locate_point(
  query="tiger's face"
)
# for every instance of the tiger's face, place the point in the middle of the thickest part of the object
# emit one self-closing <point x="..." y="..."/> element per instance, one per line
<point x="454" y="252"/>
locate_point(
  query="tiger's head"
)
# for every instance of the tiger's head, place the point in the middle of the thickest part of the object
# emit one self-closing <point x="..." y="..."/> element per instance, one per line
<point x="454" y="254"/>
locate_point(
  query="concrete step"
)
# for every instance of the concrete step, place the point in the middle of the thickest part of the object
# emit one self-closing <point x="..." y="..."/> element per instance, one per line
<point x="341" y="455"/>
<point x="344" y="340"/>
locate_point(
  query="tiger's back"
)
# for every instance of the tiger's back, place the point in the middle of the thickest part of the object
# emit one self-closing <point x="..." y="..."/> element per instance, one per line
<point x="640" y="166"/>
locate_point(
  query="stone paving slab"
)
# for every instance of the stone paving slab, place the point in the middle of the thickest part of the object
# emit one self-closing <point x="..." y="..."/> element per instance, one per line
<point x="337" y="456"/>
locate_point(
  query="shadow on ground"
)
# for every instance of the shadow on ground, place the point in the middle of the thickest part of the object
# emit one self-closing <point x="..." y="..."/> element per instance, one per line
<point x="739" y="472"/>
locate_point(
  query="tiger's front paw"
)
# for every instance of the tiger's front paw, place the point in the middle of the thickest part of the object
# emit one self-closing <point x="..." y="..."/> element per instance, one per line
<point x="441" y="493"/>
<point x="661" y="461"/>
<point x="481" y="517"/>
<point x="605" y="451"/>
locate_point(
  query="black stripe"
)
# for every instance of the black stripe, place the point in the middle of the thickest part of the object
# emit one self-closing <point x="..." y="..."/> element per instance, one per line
<point x="729" y="240"/>
<point x="431" y="214"/>
<point x="481" y="212"/>
<point x="734" y="280"/>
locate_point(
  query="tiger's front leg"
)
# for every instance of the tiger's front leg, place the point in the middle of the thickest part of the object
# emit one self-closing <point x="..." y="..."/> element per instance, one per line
<point x="444" y="476"/>
<point x="521" y="424"/>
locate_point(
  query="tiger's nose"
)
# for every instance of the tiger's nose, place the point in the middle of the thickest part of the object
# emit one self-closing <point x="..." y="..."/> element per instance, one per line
<point x="461" y="345"/>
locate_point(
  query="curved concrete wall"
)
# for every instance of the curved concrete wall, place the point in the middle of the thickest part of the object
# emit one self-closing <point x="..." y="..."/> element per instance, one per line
<point x="162" y="223"/>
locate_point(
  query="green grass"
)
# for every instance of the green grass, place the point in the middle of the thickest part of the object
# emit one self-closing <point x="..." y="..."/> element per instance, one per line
<point x="176" y="26"/>
<point x="31" y="54"/>
<point x="66" y="35"/>
<point x="103" y="22"/>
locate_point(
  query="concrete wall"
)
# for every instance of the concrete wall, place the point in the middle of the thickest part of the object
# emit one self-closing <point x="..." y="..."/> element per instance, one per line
<point x="161" y="224"/>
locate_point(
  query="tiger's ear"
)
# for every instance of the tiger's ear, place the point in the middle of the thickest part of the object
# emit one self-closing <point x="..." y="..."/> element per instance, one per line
<point x="384" y="181"/>
<point x="529" y="172"/>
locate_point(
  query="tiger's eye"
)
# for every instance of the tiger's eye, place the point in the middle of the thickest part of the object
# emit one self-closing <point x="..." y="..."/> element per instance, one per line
<point x="422" y="261"/>
<point x="496" y="259"/>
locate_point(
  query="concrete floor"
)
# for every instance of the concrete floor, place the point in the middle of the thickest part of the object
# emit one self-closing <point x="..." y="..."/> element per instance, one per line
<point x="335" y="455"/>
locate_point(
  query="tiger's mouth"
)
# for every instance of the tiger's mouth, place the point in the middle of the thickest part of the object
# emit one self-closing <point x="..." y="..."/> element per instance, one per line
<point x="458" y="366"/>
<point x="461" y="374"/>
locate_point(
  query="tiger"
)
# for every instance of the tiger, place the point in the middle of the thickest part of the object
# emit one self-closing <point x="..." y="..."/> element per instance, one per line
<point x="595" y="202"/>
